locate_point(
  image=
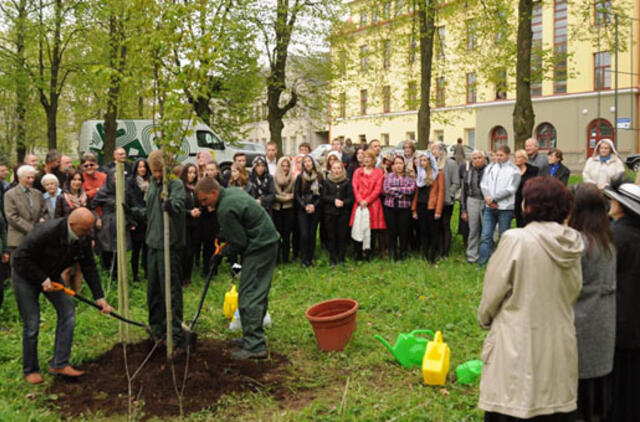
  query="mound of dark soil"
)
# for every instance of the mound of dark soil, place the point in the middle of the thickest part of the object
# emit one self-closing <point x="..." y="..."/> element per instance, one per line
<point x="211" y="374"/>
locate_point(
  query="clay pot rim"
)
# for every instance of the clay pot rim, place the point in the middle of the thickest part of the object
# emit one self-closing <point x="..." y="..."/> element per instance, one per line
<point x="351" y="311"/>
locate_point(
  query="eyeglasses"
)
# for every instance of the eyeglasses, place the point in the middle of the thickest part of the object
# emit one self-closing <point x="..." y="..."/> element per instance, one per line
<point x="88" y="165"/>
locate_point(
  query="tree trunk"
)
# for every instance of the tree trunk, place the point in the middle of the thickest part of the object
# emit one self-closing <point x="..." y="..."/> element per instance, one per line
<point x="52" y="129"/>
<point x="426" y="16"/>
<point x="117" y="56"/>
<point x="523" y="116"/>
<point x="21" y="78"/>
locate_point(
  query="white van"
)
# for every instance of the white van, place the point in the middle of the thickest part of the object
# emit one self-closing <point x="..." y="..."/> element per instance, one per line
<point x="137" y="137"/>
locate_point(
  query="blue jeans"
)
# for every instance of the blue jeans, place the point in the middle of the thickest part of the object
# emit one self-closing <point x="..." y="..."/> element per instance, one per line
<point x="490" y="218"/>
<point x="27" y="295"/>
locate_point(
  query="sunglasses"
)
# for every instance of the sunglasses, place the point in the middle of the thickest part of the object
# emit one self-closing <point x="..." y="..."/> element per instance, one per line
<point x="88" y="165"/>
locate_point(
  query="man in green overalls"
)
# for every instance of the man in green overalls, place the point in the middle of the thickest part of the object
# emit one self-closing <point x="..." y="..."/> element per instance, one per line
<point x="249" y="231"/>
<point x="154" y="238"/>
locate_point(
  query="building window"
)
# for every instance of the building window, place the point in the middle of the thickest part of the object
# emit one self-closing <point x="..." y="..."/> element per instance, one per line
<point x="410" y="136"/>
<point x="602" y="71"/>
<point x="501" y="84"/>
<point x="363" y="102"/>
<point x="560" y="46"/>
<point x="385" y="138"/>
<point x="386" y="99"/>
<point x="386" y="54"/>
<point x="364" y="57"/>
<point x="363" y="18"/>
<point x="546" y="135"/>
<point x="596" y="131"/>
<point x="440" y="92"/>
<point x="342" y="110"/>
<point x="470" y="135"/>
<point x="386" y="9"/>
<point x="602" y="12"/>
<point x="498" y="137"/>
<point x="399" y="10"/>
<point x="471" y="88"/>
<point x="536" y="50"/>
<point x="342" y="63"/>
<point x="412" y="95"/>
<point x="440" y="42"/>
<point x="363" y="139"/>
<point x="439" y="135"/>
<point x="471" y="35"/>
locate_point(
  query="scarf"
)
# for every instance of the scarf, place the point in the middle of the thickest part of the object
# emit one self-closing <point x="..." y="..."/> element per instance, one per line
<point x="339" y="179"/>
<point x="421" y="179"/>
<point x="261" y="183"/>
<point x="142" y="184"/>
<point x="604" y="159"/>
<point x="311" y="179"/>
<point x="76" y="201"/>
<point x="553" y="168"/>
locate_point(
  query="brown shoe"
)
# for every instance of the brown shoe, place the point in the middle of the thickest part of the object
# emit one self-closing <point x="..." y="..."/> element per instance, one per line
<point x="33" y="378"/>
<point x="67" y="371"/>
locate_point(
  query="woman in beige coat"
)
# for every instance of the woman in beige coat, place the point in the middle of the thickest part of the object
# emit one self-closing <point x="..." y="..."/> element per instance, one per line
<point x="530" y="355"/>
<point x="603" y="166"/>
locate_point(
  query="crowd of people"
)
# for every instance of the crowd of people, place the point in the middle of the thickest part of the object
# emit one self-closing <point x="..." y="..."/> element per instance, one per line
<point x="559" y="292"/>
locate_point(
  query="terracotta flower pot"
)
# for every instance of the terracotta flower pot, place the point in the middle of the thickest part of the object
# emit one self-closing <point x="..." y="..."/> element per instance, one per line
<point x="333" y="322"/>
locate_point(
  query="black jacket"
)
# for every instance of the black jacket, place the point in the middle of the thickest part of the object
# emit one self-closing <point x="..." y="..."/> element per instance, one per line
<point x="562" y="174"/>
<point x="626" y="236"/>
<point x="530" y="173"/>
<point x="332" y="191"/>
<point x="45" y="252"/>
<point x="304" y="196"/>
<point x="263" y="189"/>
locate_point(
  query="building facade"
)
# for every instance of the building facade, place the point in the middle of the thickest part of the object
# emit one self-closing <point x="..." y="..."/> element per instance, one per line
<point x="375" y="91"/>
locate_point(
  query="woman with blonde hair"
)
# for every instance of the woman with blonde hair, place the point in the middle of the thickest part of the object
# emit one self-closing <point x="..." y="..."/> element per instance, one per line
<point x="307" y="194"/>
<point x="427" y="204"/>
<point x="527" y="171"/>
<point x="283" y="211"/>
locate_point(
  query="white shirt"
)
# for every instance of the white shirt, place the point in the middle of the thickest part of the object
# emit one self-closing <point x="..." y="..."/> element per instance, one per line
<point x="272" y="165"/>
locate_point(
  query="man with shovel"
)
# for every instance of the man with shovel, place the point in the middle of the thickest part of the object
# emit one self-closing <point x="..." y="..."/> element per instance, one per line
<point x="44" y="253"/>
<point x="249" y="232"/>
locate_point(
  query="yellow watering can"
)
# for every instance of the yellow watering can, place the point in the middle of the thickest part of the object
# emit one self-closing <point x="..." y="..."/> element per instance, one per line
<point x="435" y="364"/>
<point x="230" y="302"/>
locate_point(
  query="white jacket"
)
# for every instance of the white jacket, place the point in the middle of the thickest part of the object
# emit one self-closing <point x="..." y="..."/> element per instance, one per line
<point x="601" y="173"/>
<point x="361" y="231"/>
<point x="500" y="181"/>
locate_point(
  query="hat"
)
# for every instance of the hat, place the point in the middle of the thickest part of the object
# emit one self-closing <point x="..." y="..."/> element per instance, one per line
<point x="627" y="194"/>
<point x="259" y="160"/>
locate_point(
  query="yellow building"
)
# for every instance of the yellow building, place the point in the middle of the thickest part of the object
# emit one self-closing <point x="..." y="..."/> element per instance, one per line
<point x="375" y="91"/>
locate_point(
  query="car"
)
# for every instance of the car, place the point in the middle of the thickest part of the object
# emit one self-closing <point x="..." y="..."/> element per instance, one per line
<point x="633" y="162"/>
<point x="251" y="146"/>
<point x="467" y="151"/>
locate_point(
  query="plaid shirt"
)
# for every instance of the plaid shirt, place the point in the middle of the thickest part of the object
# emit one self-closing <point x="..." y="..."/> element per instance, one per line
<point x="398" y="191"/>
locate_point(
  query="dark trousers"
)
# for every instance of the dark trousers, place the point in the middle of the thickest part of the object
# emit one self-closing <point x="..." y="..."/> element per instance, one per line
<point x="5" y="272"/>
<point x="447" y="212"/>
<point x="109" y="263"/>
<point x="430" y="233"/>
<point x="253" y="294"/>
<point x="414" y="234"/>
<point x="284" y="220"/>
<point x="208" y="248"/>
<point x="337" y="232"/>
<point x="190" y="253"/>
<point x="307" y="226"/>
<point x="138" y="247"/>
<point x="156" y="294"/>
<point x="368" y="254"/>
<point x="398" y="230"/>
<point x="27" y="295"/>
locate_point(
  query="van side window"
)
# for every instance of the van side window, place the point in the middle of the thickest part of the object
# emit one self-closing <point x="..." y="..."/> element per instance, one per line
<point x="208" y="139"/>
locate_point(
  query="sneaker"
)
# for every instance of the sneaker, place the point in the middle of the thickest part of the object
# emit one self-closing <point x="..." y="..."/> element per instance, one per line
<point x="244" y="354"/>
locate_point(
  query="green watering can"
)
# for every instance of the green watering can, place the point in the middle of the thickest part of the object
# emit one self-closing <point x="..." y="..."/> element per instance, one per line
<point x="469" y="372"/>
<point x="409" y="349"/>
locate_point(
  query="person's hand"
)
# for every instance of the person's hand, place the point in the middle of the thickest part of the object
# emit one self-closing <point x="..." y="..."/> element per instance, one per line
<point x="106" y="308"/>
<point x="195" y="213"/>
<point x="493" y="205"/>
<point x="47" y="286"/>
<point x="259" y="201"/>
<point x="414" y="214"/>
<point x="363" y="204"/>
<point x="290" y="196"/>
<point x="99" y="224"/>
<point x="488" y="200"/>
<point x="338" y="203"/>
<point x="310" y="209"/>
<point x="464" y="217"/>
<point x="437" y="216"/>
<point x="5" y="258"/>
<point x="166" y="206"/>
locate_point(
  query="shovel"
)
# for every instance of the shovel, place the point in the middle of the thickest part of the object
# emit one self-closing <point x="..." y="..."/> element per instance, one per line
<point x="73" y="294"/>
<point x="191" y="336"/>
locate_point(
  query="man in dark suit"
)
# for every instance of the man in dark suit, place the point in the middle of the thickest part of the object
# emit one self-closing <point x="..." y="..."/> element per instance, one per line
<point x="556" y="168"/>
<point x="43" y="254"/>
<point x="119" y="156"/>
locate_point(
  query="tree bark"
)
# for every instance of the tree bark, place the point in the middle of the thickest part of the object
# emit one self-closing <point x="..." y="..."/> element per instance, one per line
<point x="117" y="56"/>
<point x="21" y="77"/>
<point x="523" y="115"/>
<point x="426" y="17"/>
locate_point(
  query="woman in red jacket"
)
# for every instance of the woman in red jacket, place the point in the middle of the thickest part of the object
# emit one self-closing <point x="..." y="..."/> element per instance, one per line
<point x="367" y="186"/>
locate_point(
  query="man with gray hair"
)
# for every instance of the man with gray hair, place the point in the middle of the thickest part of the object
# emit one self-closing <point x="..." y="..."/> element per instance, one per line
<point x="532" y="146"/>
<point x="23" y="207"/>
<point x="472" y="201"/>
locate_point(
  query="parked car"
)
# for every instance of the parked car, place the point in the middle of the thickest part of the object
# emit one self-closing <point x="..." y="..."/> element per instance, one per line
<point x="251" y="146"/>
<point x="633" y="162"/>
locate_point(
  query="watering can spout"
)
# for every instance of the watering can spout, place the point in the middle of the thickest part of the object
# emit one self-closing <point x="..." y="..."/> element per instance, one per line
<point x="385" y="344"/>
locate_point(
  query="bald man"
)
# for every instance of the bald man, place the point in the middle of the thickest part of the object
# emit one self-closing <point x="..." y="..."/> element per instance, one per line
<point x="119" y="156"/>
<point x="39" y="260"/>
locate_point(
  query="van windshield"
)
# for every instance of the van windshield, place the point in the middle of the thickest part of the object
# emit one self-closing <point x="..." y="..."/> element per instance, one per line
<point x="208" y="139"/>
